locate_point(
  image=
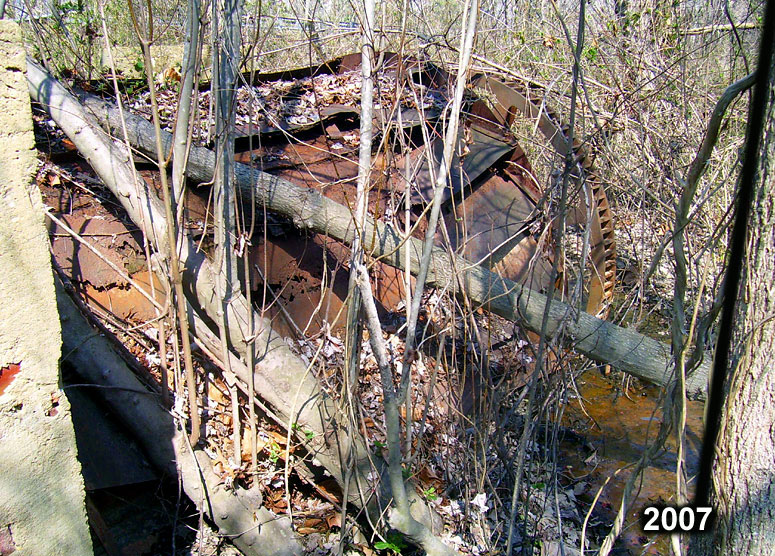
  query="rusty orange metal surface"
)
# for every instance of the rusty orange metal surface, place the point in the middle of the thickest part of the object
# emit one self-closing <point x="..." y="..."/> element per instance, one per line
<point x="491" y="197"/>
<point x="512" y="98"/>
<point x="492" y="204"/>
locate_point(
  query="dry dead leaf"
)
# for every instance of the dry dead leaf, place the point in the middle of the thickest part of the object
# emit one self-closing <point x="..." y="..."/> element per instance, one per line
<point x="329" y="489"/>
<point x="334" y="520"/>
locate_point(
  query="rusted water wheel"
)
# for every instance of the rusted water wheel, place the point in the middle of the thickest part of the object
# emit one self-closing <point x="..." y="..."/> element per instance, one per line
<point x="492" y="205"/>
<point x="511" y="99"/>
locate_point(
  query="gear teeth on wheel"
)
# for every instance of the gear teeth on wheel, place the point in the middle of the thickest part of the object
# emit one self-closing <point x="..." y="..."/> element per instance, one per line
<point x="512" y="95"/>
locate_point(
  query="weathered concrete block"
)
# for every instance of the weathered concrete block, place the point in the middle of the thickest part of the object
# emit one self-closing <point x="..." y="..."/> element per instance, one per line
<point x="42" y="509"/>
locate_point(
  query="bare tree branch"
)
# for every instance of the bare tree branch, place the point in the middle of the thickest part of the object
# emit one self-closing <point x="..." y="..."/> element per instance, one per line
<point x="603" y="341"/>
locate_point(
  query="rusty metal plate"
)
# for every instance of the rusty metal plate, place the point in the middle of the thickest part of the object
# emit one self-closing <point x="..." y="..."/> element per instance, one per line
<point x="109" y="235"/>
<point x="527" y="264"/>
<point x="310" y="277"/>
<point x="481" y="149"/>
<point x="491" y="226"/>
<point x="510" y="98"/>
<point x="490" y="197"/>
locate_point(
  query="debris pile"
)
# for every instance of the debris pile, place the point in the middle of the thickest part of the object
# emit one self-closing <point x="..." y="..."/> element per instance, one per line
<point x="293" y="105"/>
<point x="307" y="133"/>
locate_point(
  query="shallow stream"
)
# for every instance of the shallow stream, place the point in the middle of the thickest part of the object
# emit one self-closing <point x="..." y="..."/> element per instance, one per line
<point x="612" y="432"/>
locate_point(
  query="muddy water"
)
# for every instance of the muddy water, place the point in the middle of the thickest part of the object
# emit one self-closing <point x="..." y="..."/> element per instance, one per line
<point x="613" y="432"/>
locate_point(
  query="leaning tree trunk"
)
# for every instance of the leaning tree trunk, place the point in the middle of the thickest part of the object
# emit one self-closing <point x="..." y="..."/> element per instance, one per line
<point x="603" y="341"/>
<point x="284" y="381"/>
<point x="744" y="470"/>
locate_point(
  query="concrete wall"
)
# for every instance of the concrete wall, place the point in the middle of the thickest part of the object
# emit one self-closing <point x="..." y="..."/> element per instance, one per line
<point x="42" y="510"/>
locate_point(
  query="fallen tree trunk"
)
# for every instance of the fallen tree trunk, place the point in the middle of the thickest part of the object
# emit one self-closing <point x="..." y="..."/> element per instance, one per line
<point x="237" y="513"/>
<point x="602" y="341"/>
<point x="281" y="378"/>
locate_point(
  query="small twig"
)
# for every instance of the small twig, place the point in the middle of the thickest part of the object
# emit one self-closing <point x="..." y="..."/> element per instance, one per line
<point x="179" y="299"/>
<point x="542" y="346"/>
<point x="160" y="314"/>
<point x="278" y="301"/>
<point x="231" y="381"/>
<point x="583" y="539"/>
<point x="694" y="31"/>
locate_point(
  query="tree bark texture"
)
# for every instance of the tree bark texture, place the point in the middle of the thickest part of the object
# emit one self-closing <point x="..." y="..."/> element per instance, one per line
<point x="744" y="470"/>
<point x="600" y="340"/>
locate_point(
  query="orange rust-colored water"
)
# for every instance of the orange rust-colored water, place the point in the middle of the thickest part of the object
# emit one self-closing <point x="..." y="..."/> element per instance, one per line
<point x="616" y="431"/>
